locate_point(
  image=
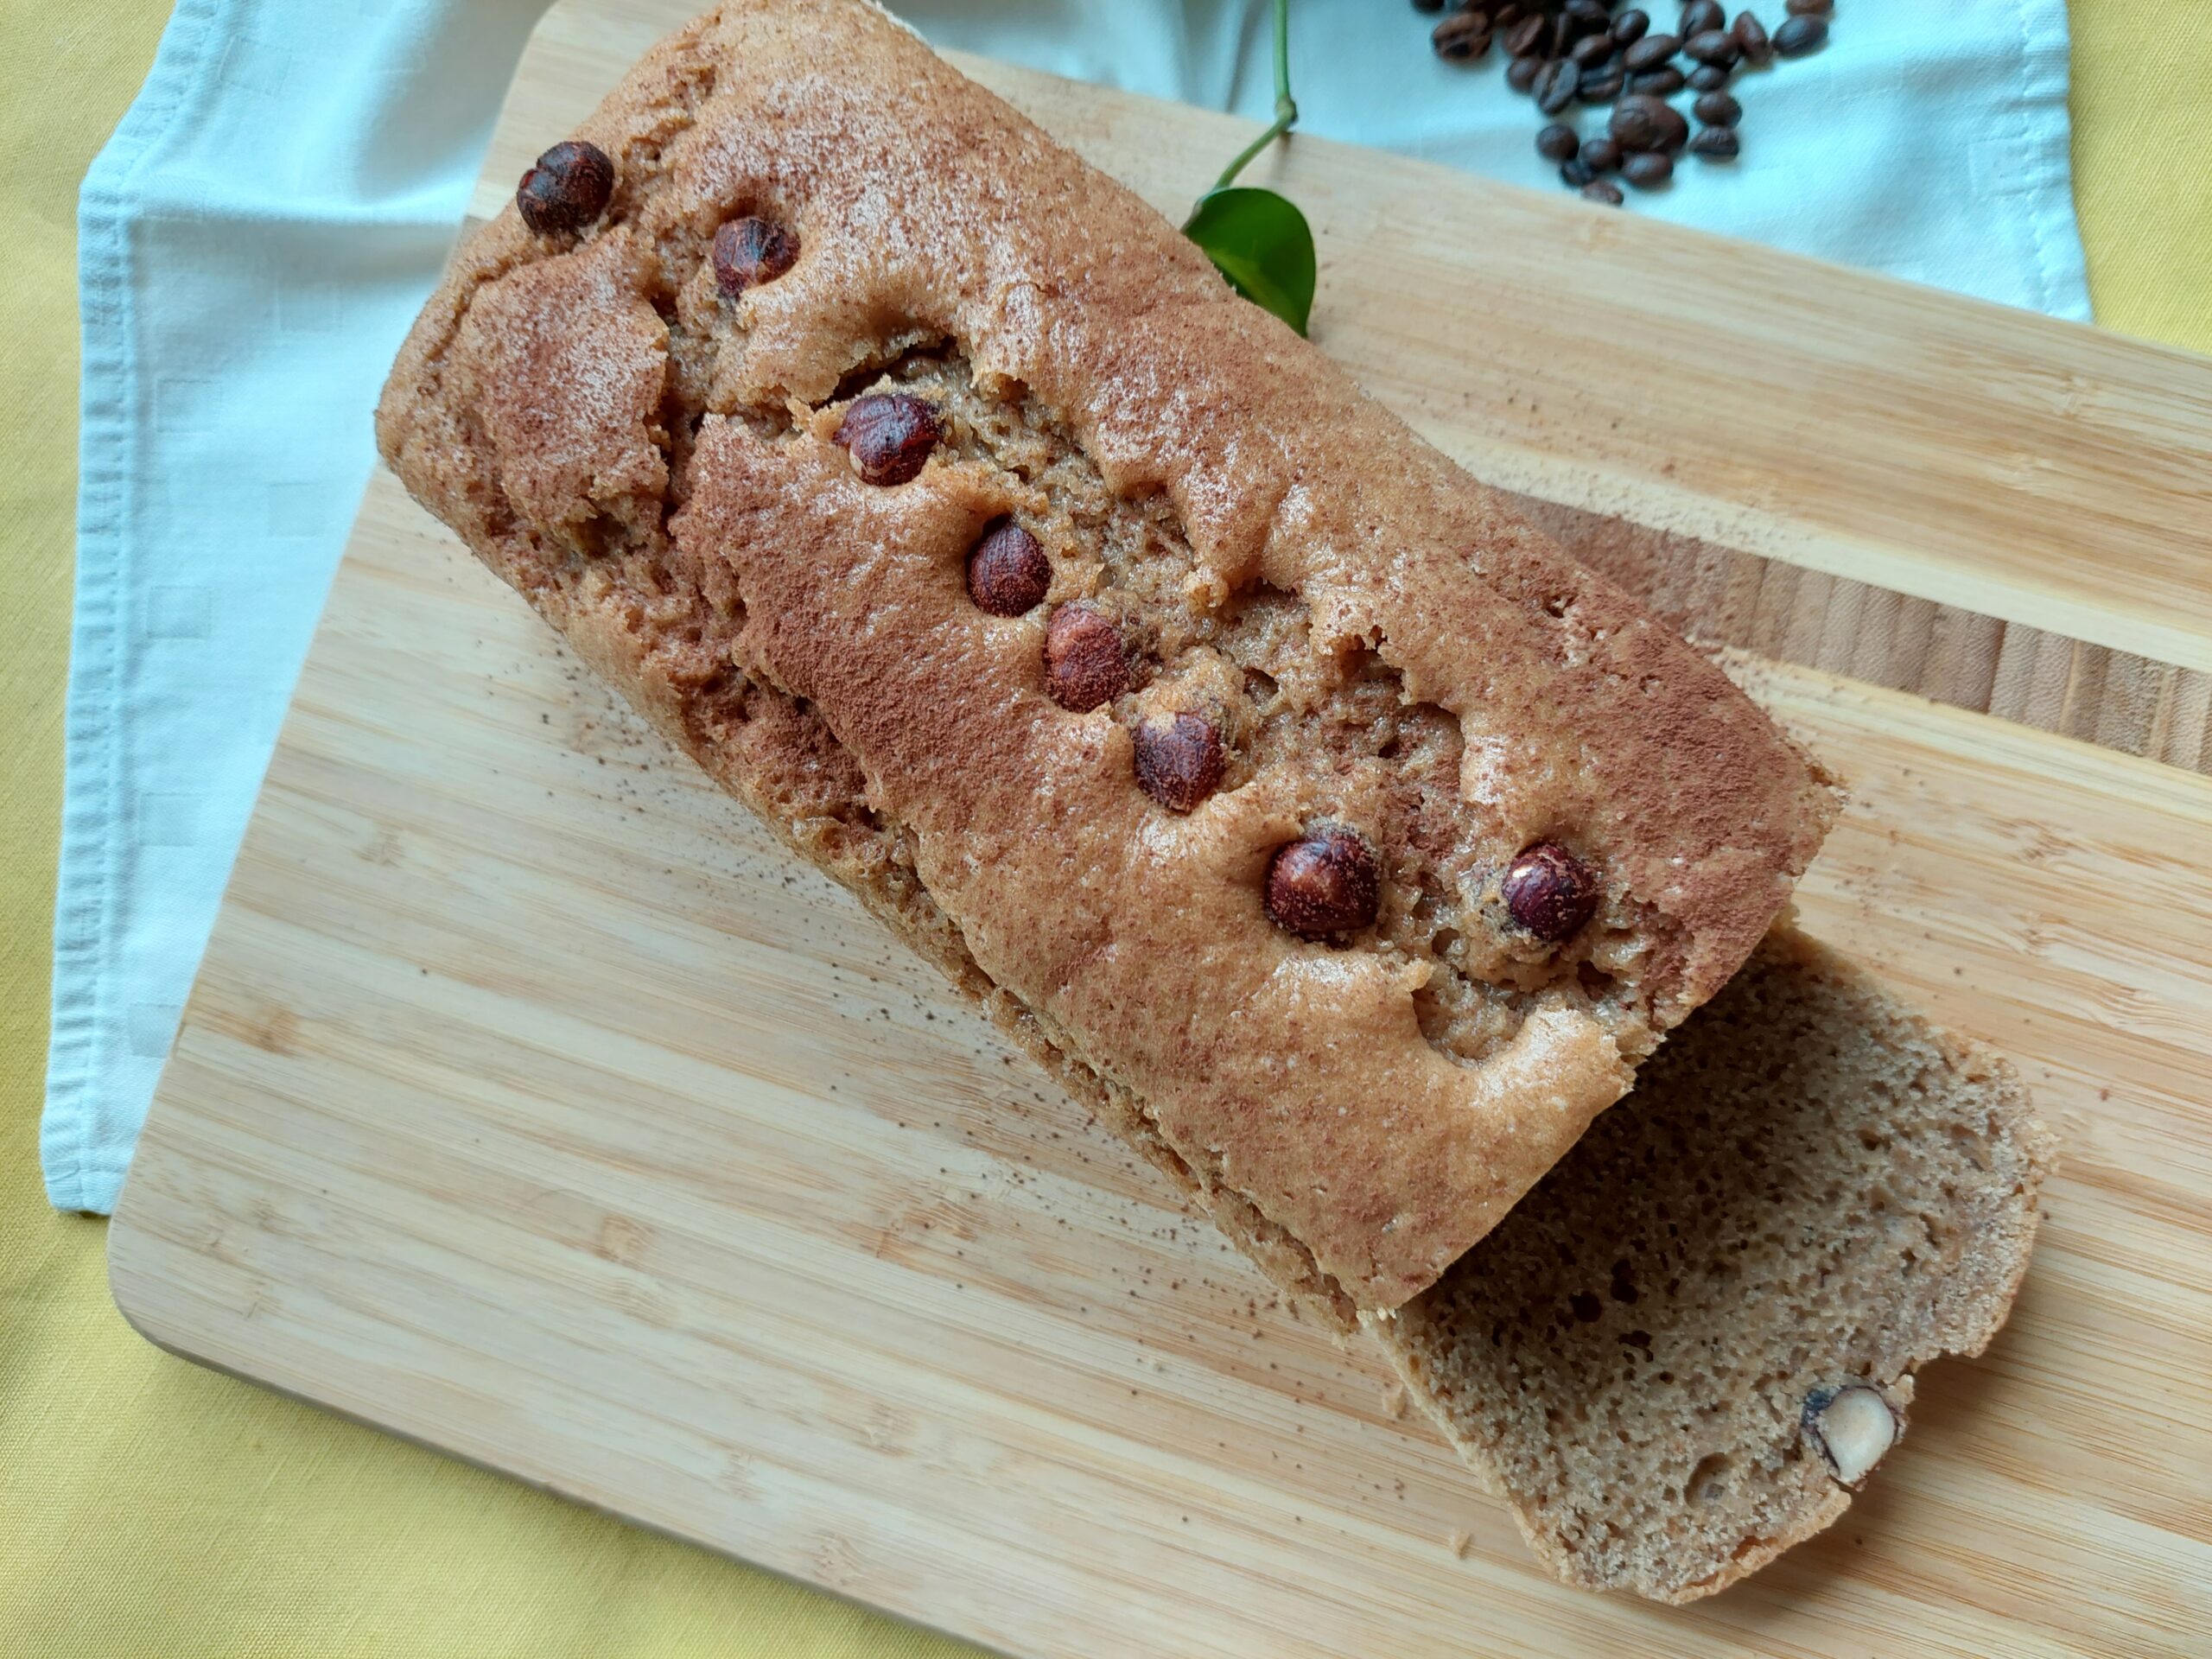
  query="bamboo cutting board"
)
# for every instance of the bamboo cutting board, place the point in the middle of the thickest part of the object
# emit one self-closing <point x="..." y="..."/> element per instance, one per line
<point x="532" y="1104"/>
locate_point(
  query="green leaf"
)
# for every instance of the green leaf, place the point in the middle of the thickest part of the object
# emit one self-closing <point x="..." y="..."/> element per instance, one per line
<point x="1262" y="244"/>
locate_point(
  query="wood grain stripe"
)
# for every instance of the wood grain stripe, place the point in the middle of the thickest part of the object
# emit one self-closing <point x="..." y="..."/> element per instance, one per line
<point x="1719" y="596"/>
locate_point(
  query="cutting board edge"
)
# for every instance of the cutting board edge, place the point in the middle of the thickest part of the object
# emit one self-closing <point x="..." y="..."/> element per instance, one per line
<point x="207" y="1357"/>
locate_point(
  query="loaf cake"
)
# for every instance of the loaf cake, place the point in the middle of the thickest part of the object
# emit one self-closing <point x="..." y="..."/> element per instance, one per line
<point x="1336" y="838"/>
<point x="1680" y="1353"/>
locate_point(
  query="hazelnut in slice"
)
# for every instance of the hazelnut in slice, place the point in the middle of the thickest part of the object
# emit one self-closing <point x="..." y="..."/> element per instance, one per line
<point x="889" y="435"/>
<point x="752" y="250"/>
<point x="1085" y="663"/>
<point x="1324" y="882"/>
<point x="1179" y="760"/>
<point x="1008" y="572"/>
<point x="567" y="189"/>
<point x="1852" y="1427"/>
<point x="1550" y="892"/>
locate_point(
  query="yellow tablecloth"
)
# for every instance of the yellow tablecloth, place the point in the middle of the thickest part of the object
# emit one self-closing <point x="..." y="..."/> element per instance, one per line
<point x="150" y="1507"/>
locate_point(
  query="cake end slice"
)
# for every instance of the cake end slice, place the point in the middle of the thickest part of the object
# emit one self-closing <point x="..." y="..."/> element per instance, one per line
<point x="1684" y="1350"/>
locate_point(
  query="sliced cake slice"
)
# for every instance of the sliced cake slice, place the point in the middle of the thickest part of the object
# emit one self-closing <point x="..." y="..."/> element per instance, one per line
<point x="1683" y="1352"/>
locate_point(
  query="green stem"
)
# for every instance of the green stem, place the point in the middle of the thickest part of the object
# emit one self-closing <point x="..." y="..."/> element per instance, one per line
<point x="1286" y="107"/>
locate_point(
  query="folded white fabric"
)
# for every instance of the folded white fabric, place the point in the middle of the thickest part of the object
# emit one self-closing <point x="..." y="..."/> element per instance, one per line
<point x="262" y="227"/>
<point x="252" y="244"/>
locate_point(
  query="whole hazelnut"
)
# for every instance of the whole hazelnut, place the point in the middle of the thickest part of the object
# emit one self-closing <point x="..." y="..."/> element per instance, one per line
<point x="889" y="435"/>
<point x="1085" y="663"/>
<point x="1179" y="761"/>
<point x="1324" y="882"/>
<point x="750" y="251"/>
<point x="1853" y="1426"/>
<point x="1550" y="892"/>
<point x="1008" y="572"/>
<point x="567" y="189"/>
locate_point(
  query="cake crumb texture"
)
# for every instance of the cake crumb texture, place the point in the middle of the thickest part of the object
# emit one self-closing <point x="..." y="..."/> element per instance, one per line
<point x="1812" y="1193"/>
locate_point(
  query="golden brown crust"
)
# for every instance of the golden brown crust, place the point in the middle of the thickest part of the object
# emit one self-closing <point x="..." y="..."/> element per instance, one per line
<point x="654" y="463"/>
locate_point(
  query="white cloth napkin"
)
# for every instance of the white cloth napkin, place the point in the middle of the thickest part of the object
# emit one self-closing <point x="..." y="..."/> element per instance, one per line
<point x="260" y="230"/>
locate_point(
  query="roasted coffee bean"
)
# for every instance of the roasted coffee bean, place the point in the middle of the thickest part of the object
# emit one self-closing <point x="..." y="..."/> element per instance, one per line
<point x="1179" y="761"/>
<point x="1715" y="46"/>
<point x="567" y="189"/>
<point x="1550" y="891"/>
<point x="1602" y="85"/>
<point x="1642" y="123"/>
<point x="1566" y="51"/>
<point x="1591" y="50"/>
<point x="1528" y="36"/>
<point x="1801" y="35"/>
<point x="1556" y="87"/>
<point x="1462" y="38"/>
<point x="1008" y="572"/>
<point x="1717" y="109"/>
<point x="1603" y="190"/>
<point x="1324" y="883"/>
<point x="1715" y="144"/>
<point x="1750" y="35"/>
